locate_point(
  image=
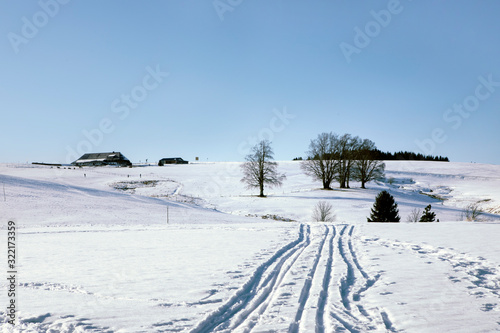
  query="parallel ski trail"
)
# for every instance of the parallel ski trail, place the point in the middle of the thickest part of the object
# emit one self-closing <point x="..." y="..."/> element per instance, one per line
<point x="349" y="279"/>
<point x="323" y="297"/>
<point x="254" y="289"/>
<point x="250" y="316"/>
<point x="304" y="295"/>
<point x="329" y="297"/>
<point x="348" y="312"/>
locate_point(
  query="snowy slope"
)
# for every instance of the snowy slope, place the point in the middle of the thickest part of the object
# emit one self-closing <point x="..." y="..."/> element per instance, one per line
<point x="96" y="253"/>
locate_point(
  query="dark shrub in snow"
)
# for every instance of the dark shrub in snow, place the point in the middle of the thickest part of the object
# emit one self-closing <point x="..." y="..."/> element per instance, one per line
<point x="428" y="216"/>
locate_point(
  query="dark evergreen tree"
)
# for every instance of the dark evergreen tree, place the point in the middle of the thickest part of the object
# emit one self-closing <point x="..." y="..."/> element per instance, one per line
<point x="385" y="209"/>
<point x="428" y="216"/>
<point x="407" y="155"/>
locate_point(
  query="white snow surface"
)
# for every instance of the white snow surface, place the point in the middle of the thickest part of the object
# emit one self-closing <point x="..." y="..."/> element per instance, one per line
<point x="184" y="248"/>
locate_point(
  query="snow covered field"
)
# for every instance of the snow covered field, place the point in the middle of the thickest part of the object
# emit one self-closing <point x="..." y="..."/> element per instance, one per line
<point x="95" y="252"/>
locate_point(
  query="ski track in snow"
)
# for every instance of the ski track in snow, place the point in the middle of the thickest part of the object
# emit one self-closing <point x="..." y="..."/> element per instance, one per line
<point x="329" y="297"/>
<point x="350" y="281"/>
<point x="254" y="294"/>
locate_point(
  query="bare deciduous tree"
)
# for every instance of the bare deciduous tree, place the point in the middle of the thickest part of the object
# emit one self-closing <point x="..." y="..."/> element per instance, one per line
<point x="260" y="169"/>
<point x="323" y="212"/>
<point x="347" y="147"/>
<point x="471" y="212"/>
<point x="366" y="168"/>
<point x="414" y="215"/>
<point x="321" y="161"/>
<point x="342" y="158"/>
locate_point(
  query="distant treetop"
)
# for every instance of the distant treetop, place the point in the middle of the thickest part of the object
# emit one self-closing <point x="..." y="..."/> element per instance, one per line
<point x="409" y="156"/>
<point x="401" y="155"/>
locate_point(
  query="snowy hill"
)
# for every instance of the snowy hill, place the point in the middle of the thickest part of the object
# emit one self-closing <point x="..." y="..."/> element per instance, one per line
<point x="96" y="253"/>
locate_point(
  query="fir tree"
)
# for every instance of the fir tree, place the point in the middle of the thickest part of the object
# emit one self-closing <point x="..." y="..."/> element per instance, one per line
<point x="385" y="209"/>
<point x="428" y="216"/>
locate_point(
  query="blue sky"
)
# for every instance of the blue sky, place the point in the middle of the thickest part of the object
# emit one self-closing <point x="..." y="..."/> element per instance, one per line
<point x="189" y="78"/>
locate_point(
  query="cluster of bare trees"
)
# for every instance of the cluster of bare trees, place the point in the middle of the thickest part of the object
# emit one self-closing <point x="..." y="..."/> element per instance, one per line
<point x="330" y="158"/>
<point x="342" y="158"/>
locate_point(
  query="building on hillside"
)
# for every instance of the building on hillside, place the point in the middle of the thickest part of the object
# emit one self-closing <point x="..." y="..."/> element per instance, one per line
<point x="101" y="159"/>
<point x="172" y="160"/>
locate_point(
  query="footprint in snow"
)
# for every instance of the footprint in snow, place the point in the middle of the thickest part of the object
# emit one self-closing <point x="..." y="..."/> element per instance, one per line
<point x="488" y="307"/>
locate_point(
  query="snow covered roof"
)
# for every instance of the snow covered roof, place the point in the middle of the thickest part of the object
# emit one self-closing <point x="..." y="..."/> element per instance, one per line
<point x="102" y="158"/>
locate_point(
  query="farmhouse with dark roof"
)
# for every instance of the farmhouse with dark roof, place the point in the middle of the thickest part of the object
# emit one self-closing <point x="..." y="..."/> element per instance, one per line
<point x="172" y="160"/>
<point x="101" y="159"/>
